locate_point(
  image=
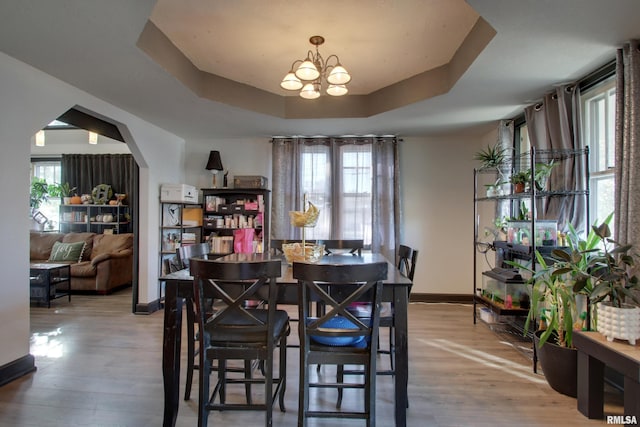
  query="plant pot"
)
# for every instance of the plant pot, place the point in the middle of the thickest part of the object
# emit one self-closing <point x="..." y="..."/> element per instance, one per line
<point x="619" y="322"/>
<point x="559" y="364"/>
<point x="66" y="200"/>
<point x="519" y="187"/>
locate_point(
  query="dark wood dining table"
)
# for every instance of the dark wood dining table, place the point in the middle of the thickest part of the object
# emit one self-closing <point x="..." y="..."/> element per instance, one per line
<point x="179" y="286"/>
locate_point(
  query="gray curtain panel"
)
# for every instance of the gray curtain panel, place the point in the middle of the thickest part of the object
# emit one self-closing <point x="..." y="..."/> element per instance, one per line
<point x="627" y="144"/>
<point x="554" y="124"/>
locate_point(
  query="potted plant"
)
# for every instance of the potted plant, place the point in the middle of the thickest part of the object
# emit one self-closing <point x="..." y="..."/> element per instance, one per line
<point x="542" y="174"/>
<point x="39" y="192"/>
<point x="491" y="156"/>
<point x="561" y="286"/>
<point x="64" y="190"/>
<point x="519" y="180"/>
<point x="606" y="273"/>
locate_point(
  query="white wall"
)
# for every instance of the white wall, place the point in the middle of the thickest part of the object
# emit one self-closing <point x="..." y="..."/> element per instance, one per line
<point x="437" y="193"/>
<point x="29" y="100"/>
<point x="239" y="156"/>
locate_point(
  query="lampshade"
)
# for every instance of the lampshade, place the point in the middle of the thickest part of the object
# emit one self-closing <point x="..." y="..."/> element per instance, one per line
<point x="215" y="162"/>
<point x="309" y="91"/>
<point x="337" y="90"/>
<point x="307" y="71"/>
<point x="338" y="76"/>
<point x="291" y="82"/>
<point x="40" y="138"/>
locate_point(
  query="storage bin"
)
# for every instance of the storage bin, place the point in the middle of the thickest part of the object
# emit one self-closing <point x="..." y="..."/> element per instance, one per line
<point x="506" y="287"/>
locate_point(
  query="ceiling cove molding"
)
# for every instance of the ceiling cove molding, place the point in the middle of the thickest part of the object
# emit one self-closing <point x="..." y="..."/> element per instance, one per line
<point x="417" y="88"/>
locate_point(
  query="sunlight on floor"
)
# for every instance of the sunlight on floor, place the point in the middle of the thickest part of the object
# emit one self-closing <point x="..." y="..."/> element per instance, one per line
<point x="486" y="359"/>
<point x="46" y="344"/>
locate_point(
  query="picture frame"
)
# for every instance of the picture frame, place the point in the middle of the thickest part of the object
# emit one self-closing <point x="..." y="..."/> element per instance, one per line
<point x="40" y="218"/>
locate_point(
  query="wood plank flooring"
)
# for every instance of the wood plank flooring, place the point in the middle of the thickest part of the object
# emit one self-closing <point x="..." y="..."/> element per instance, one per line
<point x="100" y="365"/>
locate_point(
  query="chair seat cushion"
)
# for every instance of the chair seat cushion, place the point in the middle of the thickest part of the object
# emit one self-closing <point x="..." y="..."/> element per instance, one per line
<point x="337" y="322"/>
<point x="232" y="331"/>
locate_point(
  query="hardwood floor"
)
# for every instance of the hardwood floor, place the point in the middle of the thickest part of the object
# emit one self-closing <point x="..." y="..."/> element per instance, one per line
<point x="100" y="365"/>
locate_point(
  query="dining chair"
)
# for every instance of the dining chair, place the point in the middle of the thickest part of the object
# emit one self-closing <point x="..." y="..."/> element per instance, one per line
<point x="183" y="255"/>
<point x="238" y="332"/>
<point x="338" y="337"/>
<point x="407" y="259"/>
<point x="406" y="264"/>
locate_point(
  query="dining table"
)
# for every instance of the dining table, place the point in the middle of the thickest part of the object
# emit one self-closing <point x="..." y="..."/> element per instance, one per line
<point x="179" y="288"/>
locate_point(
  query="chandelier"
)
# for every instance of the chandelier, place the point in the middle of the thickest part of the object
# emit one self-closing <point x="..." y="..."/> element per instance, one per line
<point x="311" y="71"/>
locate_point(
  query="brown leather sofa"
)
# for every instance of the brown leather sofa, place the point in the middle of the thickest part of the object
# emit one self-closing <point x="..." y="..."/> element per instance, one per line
<point x="106" y="263"/>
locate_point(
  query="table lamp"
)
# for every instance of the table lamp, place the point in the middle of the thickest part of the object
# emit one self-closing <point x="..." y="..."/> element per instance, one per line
<point x="214" y="165"/>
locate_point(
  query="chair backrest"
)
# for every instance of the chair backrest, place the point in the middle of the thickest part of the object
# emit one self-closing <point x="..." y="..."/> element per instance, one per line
<point x="407" y="258"/>
<point x="353" y="246"/>
<point x="232" y="284"/>
<point x="337" y="286"/>
<point x="185" y="253"/>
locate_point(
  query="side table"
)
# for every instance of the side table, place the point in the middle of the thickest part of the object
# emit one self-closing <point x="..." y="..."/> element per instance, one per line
<point x="594" y="352"/>
<point x="49" y="281"/>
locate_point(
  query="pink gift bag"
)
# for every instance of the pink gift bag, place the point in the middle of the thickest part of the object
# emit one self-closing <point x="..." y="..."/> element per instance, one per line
<point x="243" y="240"/>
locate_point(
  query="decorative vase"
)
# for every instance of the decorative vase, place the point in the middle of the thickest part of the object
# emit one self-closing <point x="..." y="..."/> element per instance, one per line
<point x="559" y="364"/>
<point x="618" y="322"/>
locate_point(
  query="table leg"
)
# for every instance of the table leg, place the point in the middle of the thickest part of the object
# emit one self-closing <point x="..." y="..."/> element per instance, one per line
<point x="631" y="397"/>
<point x="590" y="386"/>
<point x="171" y="354"/>
<point x="401" y="300"/>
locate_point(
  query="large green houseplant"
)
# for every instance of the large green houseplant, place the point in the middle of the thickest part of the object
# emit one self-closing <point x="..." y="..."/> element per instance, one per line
<point x="561" y="286"/>
<point x="606" y="273"/>
<point x="39" y="192"/>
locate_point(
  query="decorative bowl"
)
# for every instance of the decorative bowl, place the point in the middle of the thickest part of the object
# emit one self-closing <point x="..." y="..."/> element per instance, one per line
<point x="295" y="252"/>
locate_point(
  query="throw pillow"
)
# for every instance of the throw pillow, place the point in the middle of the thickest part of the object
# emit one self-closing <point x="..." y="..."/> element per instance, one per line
<point x="67" y="251"/>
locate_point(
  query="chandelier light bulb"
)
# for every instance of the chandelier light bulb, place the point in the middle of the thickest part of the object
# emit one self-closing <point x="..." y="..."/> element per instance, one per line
<point x="307" y="71"/>
<point x="40" y="138"/>
<point x="291" y="82"/>
<point x="93" y="138"/>
<point x="337" y="90"/>
<point x="338" y="76"/>
<point x="309" y="91"/>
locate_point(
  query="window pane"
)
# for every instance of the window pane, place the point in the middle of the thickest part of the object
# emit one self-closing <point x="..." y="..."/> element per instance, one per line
<point x="342" y="191"/>
<point x="316" y="182"/>
<point x="50" y="171"/>
<point x="598" y="105"/>
<point x="602" y="191"/>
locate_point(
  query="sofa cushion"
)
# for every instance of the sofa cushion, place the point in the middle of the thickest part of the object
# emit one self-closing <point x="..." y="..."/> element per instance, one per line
<point x="67" y="251"/>
<point x="87" y="238"/>
<point x="40" y="244"/>
<point x="110" y="243"/>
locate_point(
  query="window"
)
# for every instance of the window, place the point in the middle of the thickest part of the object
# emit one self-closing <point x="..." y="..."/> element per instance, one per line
<point x="50" y="171"/>
<point x="350" y="191"/>
<point x="352" y="180"/>
<point x="598" y="117"/>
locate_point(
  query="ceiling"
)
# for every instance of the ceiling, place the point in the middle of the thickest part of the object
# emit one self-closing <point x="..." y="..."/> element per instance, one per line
<point x="217" y="70"/>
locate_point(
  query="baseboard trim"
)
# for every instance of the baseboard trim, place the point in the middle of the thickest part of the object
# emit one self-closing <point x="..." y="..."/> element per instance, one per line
<point x="17" y="368"/>
<point x="450" y="298"/>
<point x="148" y="308"/>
